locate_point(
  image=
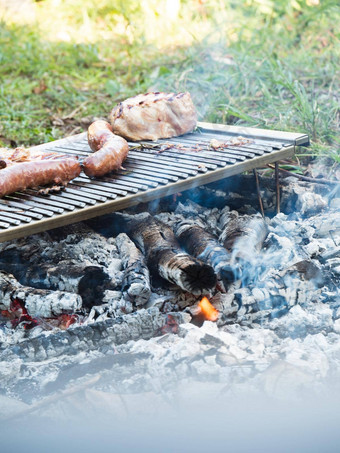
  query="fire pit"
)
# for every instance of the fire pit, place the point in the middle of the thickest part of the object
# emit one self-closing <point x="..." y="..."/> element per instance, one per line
<point x="207" y="289"/>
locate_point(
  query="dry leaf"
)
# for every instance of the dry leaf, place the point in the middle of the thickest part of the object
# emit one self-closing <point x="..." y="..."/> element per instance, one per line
<point x="40" y="88"/>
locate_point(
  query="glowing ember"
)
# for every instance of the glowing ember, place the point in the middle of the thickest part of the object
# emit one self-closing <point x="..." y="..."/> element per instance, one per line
<point x="210" y="313"/>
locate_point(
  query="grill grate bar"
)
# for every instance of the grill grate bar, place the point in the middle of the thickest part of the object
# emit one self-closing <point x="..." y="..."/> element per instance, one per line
<point x="50" y="200"/>
<point x="107" y="185"/>
<point x="128" y="186"/>
<point x="221" y="158"/>
<point x="232" y="151"/>
<point x="20" y="217"/>
<point x="10" y="218"/>
<point x="158" y="168"/>
<point x="159" y="161"/>
<point x="147" y="175"/>
<point x="72" y="199"/>
<point x="19" y="200"/>
<point x="178" y="157"/>
<point x="94" y="193"/>
<point x="99" y="188"/>
<point x="39" y="202"/>
<point x="145" y="181"/>
<point x="27" y="211"/>
<point x="202" y="157"/>
<point x="271" y="143"/>
<point x="86" y="198"/>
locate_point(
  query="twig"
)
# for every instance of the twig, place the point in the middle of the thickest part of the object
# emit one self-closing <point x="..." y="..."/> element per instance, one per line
<point x="277" y="180"/>
<point x="258" y="191"/>
<point x="306" y="178"/>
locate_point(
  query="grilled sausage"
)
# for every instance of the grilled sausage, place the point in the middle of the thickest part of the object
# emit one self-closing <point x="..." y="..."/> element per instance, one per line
<point x="110" y="150"/>
<point x="21" y="176"/>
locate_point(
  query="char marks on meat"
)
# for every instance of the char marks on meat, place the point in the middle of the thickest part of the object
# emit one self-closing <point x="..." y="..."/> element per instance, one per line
<point x="152" y="116"/>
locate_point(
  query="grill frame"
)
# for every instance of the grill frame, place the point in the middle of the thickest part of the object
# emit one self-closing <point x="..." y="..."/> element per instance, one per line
<point x="123" y="191"/>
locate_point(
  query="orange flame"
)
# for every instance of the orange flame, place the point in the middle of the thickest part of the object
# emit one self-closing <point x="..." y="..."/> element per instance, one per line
<point x="209" y="312"/>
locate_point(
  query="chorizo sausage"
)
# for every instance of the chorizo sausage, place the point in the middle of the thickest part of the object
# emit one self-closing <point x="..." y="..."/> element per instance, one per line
<point x="21" y="176"/>
<point x="110" y="150"/>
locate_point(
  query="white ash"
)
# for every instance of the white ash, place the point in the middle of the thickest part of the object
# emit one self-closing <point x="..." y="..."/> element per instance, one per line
<point x="204" y="216"/>
<point x="92" y="248"/>
<point x="51" y="305"/>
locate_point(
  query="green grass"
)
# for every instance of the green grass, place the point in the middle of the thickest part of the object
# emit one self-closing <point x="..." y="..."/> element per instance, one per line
<point x="259" y="63"/>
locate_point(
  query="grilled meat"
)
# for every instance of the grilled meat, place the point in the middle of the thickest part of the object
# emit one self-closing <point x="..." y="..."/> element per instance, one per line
<point x="154" y="115"/>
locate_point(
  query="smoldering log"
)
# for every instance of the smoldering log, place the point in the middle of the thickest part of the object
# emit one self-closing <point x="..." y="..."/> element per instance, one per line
<point x="136" y="282"/>
<point x="38" y="302"/>
<point x="243" y="237"/>
<point x="164" y="257"/>
<point x="272" y="296"/>
<point x="143" y="324"/>
<point x="88" y="281"/>
<point x="203" y="245"/>
<point x="252" y="229"/>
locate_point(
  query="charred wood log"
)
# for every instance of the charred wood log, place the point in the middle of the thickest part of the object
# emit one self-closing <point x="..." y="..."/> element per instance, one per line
<point x="136" y="281"/>
<point x="205" y="246"/>
<point x="88" y="281"/>
<point x="143" y="324"/>
<point x="273" y="295"/>
<point x="164" y="257"/>
<point x="242" y="236"/>
<point x="38" y="302"/>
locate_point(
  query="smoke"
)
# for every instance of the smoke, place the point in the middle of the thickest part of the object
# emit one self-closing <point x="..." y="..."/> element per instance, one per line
<point x="200" y="424"/>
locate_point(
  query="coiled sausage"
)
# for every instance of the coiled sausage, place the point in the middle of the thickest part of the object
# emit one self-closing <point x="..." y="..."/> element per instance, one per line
<point x="110" y="150"/>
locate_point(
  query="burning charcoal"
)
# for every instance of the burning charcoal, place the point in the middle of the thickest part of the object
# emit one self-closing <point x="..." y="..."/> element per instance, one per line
<point x="261" y="303"/>
<point x="307" y="201"/>
<point x="87" y="247"/>
<point x="164" y="256"/>
<point x="117" y="305"/>
<point x="38" y="302"/>
<point x="205" y="246"/>
<point x="226" y="305"/>
<point x="136" y="283"/>
<point x="243" y="237"/>
<point x="88" y="281"/>
<point x="251" y="228"/>
<point x="61" y="233"/>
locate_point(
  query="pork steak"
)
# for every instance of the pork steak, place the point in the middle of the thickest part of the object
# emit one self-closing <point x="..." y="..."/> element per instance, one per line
<point x="154" y="115"/>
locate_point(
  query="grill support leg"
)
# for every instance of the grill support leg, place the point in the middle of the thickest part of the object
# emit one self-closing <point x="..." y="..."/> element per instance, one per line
<point x="258" y="191"/>
<point x="277" y="182"/>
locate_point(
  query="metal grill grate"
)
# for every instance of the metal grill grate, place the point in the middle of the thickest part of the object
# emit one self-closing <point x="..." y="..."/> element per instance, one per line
<point x="152" y="170"/>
